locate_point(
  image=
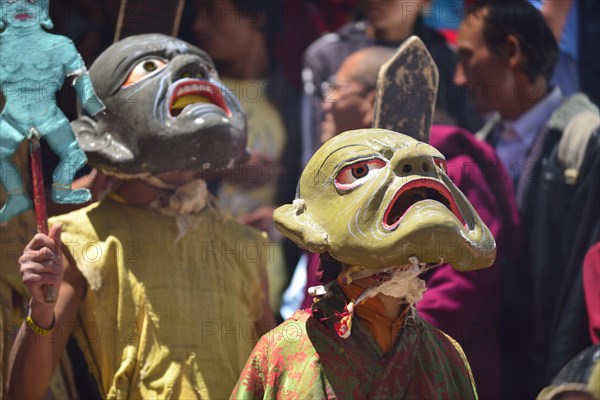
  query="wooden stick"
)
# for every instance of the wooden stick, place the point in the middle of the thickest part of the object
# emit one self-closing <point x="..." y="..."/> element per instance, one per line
<point x="407" y="87"/>
<point x="148" y="16"/>
<point x="39" y="201"/>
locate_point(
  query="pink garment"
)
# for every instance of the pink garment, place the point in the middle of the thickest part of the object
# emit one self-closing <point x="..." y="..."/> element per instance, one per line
<point x="466" y="305"/>
<point x="591" y="290"/>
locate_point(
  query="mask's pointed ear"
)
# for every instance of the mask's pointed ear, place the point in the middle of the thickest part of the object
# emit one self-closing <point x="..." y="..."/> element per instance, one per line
<point x="88" y="138"/>
<point x="92" y="139"/>
<point x="296" y="223"/>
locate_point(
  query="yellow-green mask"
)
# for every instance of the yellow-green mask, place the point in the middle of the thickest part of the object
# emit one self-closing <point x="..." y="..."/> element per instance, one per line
<point x="373" y="198"/>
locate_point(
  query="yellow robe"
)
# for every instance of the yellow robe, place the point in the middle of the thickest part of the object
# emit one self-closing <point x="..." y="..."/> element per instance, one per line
<point x="164" y="318"/>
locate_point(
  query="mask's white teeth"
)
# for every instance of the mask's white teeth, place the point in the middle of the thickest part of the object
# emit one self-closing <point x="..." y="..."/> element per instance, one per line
<point x="193" y="88"/>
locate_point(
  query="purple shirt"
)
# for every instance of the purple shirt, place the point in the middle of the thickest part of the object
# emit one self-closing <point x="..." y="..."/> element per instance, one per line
<point x="515" y="139"/>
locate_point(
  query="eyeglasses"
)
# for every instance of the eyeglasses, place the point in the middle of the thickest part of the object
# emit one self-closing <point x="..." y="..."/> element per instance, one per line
<point x="334" y="91"/>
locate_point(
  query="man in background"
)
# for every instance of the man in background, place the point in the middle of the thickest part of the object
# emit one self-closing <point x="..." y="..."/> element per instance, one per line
<point x="550" y="145"/>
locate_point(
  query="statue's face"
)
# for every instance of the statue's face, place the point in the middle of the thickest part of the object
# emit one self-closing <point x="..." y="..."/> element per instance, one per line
<point x="166" y="109"/>
<point x="374" y="198"/>
<point x="23" y="13"/>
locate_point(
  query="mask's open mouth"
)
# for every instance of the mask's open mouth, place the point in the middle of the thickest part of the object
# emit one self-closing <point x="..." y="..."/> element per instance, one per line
<point x="413" y="192"/>
<point x="192" y="91"/>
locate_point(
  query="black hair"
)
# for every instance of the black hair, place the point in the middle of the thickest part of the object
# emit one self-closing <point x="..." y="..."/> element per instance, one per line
<point x="522" y="20"/>
<point x="270" y="10"/>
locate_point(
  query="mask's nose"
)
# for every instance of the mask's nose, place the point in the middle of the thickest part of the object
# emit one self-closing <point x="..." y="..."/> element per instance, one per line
<point x="405" y="163"/>
<point x="189" y="66"/>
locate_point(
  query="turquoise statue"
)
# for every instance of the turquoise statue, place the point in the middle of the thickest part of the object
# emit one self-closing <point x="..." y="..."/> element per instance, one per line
<point x="33" y="66"/>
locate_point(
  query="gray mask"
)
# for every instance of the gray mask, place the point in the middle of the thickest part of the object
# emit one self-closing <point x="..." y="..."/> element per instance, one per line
<point x="166" y="110"/>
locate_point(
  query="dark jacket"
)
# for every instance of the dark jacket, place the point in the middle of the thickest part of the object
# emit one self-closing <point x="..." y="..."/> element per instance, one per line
<point x="558" y="203"/>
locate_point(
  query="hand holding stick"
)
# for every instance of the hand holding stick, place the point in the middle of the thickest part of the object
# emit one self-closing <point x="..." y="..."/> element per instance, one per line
<point x="42" y="266"/>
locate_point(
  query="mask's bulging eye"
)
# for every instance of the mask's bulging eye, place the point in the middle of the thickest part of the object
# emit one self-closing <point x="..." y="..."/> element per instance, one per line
<point x="356" y="174"/>
<point x="143" y="70"/>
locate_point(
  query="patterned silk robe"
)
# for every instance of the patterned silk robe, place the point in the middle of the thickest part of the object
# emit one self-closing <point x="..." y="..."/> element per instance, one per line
<point x="304" y="358"/>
